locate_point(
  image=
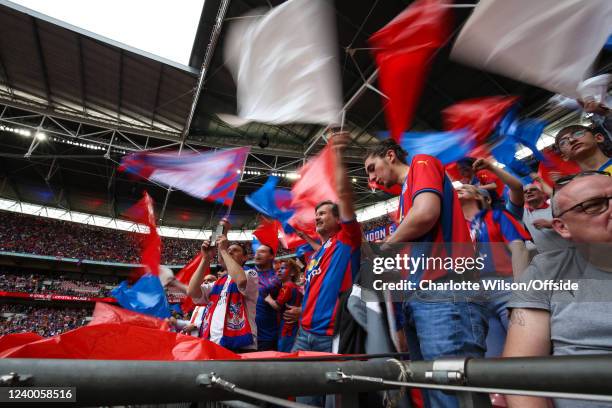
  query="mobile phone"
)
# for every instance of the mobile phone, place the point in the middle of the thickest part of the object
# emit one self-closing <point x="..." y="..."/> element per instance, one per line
<point x="220" y="230"/>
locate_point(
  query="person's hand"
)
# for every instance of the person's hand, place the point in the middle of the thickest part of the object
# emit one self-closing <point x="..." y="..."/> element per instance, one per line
<point x="300" y="234"/>
<point x="226" y="224"/>
<point x="222" y="243"/>
<point x="542" y="223"/>
<point x="482" y="164"/>
<point x="189" y="328"/>
<point x="591" y="106"/>
<point x="292" y="314"/>
<point x="207" y="250"/>
<point x="340" y="140"/>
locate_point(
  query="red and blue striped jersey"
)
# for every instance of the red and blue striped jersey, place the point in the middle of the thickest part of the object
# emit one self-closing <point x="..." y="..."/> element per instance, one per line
<point x="330" y="272"/>
<point x="496" y="226"/>
<point x="290" y="295"/>
<point x="427" y="174"/>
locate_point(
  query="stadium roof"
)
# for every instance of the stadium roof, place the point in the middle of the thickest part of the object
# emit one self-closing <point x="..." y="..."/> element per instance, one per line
<point x="95" y="99"/>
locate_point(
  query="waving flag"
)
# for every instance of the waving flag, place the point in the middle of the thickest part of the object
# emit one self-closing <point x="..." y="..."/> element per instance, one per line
<point x="554" y="166"/>
<point x="150" y="246"/>
<point x="272" y="202"/>
<point x="396" y="189"/>
<point x="505" y="153"/>
<point x="448" y="147"/>
<point x="479" y="115"/>
<point x="403" y="50"/>
<point x="267" y="233"/>
<point x="316" y="184"/>
<point x="547" y="43"/>
<point x="146" y="296"/>
<point x="184" y="276"/>
<point x="212" y="176"/>
<point x="285" y="64"/>
<point x="526" y="132"/>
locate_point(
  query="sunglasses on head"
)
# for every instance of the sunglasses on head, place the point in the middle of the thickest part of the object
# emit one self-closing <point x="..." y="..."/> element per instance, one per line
<point x="565" y="180"/>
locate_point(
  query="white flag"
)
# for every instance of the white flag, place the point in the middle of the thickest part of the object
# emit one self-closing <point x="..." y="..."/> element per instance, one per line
<point x="548" y="43"/>
<point x="285" y="65"/>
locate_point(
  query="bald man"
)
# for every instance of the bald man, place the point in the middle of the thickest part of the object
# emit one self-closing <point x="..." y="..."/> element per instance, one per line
<point x="571" y="320"/>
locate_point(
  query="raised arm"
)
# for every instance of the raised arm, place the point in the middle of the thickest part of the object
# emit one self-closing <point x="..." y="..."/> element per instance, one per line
<point x="340" y="142"/>
<point x="514" y="184"/>
<point x="194" y="289"/>
<point x="234" y="269"/>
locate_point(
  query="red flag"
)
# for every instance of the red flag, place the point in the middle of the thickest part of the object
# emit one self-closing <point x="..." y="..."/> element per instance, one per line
<point x="267" y="233"/>
<point x="555" y="164"/>
<point x="142" y="212"/>
<point x="316" y="183"/>
<point x="396" y="189"/>
<point x="184" y="276"/>
<point x="404" y="49"/>
<point x="112" y="341"/>
<point x="105" y="314"/>
<point x="479" y="115"/>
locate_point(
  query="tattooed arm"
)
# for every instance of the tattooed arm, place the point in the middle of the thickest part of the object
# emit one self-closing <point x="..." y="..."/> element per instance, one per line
<point x="528" y="336"/>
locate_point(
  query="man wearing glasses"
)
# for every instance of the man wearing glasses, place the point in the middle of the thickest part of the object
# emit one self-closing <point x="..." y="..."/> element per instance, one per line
<point x="582" y="145"/>
<point x="568" y="321"/>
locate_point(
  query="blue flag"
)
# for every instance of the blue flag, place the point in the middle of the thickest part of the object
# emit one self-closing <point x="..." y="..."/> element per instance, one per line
<point x="505" y="153"/>
<point x="271" y="201"/>
<point x="146" y="296"/>
<point x="448" y="147"/>
<point x="526" y="132"/>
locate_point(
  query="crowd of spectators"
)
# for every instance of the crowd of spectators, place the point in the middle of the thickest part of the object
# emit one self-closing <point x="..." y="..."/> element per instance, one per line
<point x="45" y="236"/>
<point x="45" y="321"/>
<point x="381" y="221"/>
<point x="44" y="284"/>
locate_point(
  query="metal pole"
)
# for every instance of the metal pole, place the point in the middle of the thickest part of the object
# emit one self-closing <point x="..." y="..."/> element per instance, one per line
<point x="101" y="382"/>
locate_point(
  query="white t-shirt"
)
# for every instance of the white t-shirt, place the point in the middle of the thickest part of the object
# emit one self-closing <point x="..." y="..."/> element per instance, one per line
<point x="250" y="293"/>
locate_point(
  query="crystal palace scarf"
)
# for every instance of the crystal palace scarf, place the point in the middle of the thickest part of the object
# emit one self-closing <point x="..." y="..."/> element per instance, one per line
<point x="236" y="328"/>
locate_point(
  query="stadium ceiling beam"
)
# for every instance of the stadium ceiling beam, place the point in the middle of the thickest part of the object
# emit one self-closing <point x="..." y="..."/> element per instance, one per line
<point x="87" y="119"/>
<point x="81" y="69"/>
<point x="4" y="72"/>
<point x="41" y="59"/>
<point x="157" y="93"/>
<point x="120" y="87"/>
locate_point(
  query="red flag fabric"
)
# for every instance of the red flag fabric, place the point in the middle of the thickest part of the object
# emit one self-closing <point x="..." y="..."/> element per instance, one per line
<point x="316" y="184"/>
<point x="121" y="342"/>
<point x="403" y="50"/>
<point x="394" y="190"/>
<point x="555" y="164"/>
<point x="142" y="212"/>
<point x="107" y="314"/>
<point x="479" y="115"/>
<point x="184" y="276"/>
<point x="267" y="233"/>
<point x="10" y="341"/>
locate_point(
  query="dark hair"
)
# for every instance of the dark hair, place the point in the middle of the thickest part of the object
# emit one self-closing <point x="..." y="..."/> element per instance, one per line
<point x="381" y="149"/>
<point x="242" y="247"/>
<point x="466" y="162"/>
<point x="334" y="207"/>
<point x="269" y="247"/>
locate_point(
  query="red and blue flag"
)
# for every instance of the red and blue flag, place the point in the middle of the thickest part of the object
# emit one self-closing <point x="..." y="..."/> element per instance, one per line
<point x="211" y="176"/>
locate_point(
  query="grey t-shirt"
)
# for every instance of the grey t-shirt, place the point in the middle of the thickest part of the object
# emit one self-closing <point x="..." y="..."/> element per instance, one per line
<point x="545" y="239"/>
<point x="580" y="320"/>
